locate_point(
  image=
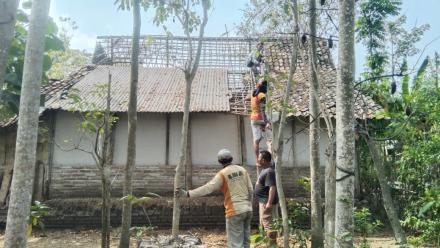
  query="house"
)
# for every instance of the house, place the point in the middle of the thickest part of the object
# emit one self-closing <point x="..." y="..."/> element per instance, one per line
<point x="218" y="119"/>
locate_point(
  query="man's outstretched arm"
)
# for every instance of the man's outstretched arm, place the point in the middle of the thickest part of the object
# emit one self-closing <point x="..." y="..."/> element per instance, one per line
<point x="214" y="185"/>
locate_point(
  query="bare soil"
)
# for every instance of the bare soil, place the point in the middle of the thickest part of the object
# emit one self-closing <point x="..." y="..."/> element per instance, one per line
<point x="91" y="239"/>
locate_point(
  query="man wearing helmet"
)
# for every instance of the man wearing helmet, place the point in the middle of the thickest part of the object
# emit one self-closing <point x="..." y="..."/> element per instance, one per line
<point x="235" y="184"/>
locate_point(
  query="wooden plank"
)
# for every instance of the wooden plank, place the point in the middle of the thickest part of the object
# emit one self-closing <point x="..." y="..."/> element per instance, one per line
<point x="38" y="192"/>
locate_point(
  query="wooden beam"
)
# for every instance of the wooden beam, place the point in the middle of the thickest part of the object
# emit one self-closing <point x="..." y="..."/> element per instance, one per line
<point x="48" y="170"/>
<point x="293" y="139"/>
<point x="10" y="135"/>
<point x="111" y="145"/>
<point x="167" y="139"/>
<point x="242" y="132"/>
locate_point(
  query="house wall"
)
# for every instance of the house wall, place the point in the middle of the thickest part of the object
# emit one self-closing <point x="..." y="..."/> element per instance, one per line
<point x="74" y="173"/>
<point x="68" y="140"/>
<point x="84" y="181"/>
<point x="210" y="132"/>
<point x="150" y="140"/>
<point x="301" y="144"/>
<point x="296" y="147"/>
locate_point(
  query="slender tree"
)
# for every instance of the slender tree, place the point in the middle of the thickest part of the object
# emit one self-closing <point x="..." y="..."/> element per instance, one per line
<point x="388" y="204"/>
<point x="345" y="126"/>
<point x="314" y="120"/>
<point x="25" y="151"/>
<point x="132" y="122"/>
<point x="278" y="151"/>
<point x="330" y="191"/>
<point x="8" y="13"/>
<point x="103" y="133"/>
<point x="96" y="126"/>
<point x="183" y="13"/>
<point x="330" y="170"/>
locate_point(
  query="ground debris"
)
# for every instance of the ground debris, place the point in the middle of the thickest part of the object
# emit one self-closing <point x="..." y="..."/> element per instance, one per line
<point x="167" y="241"/>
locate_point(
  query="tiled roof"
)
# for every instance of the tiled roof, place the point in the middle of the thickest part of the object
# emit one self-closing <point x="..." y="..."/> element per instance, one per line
<point x="159" y="90"/>
<point x="162" y="89"/>
<point x="55" y="87"/>
<point x="277" y="59"/>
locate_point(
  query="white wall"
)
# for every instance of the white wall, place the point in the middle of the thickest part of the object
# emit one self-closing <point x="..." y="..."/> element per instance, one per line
<point x="302" y="147"/>
<point x="210" y="132"/>
<point x="67" y="137"/>
<point x="287" y="152"/>
<point x="175" y="131"/>
<point x="298" y="155"/>
<point x="150" y="139"/>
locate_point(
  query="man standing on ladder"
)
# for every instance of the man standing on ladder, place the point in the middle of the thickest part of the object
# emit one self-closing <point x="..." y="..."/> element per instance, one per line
<point x="260" y="123"/>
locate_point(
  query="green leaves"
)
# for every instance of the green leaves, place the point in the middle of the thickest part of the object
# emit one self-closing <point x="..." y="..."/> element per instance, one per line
<point x="305" y="183"/>
<point x="10" y="97"/>
<point x="47" y="62"/>
<point x="405" y="80"/>
<point x="371" y="24"/>
<point x="38" y="212"/>
<point x="426" y="208"/>
<point x="123" y="4"/>
<point x="183" y="11"/>
<point x="419" y="78"/>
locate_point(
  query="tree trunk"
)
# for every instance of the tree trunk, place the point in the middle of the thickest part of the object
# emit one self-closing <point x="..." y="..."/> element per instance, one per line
<point x="315" y="198"/>
<point x="182" y="157"/>
<point x="8" y="13"/>
<point x="190" y="72"/>
<point x="132" y="123"/>
<point x="105" y="209"/>
<point x="388" y="203"/>
<point x="357" y="171"/>
<point x="279" y="143"/>
<point x="345" y="127"/>
<point x="105" y="172"/>
<point x="188" y="159"/>
<point x="26" y="145"/>
<point x="330" y="193"/>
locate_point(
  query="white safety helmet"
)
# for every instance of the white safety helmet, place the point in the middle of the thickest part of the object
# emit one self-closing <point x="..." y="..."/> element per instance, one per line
<point x="224" y="154"/>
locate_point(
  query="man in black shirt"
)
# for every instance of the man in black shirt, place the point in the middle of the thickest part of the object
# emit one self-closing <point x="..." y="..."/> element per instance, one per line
<point x="266" y="194"/>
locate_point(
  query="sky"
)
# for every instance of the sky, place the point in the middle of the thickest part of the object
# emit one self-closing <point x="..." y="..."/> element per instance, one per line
<point x="101" y="17"/>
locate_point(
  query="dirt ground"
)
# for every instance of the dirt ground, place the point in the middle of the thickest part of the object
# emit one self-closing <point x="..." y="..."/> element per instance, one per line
<point x="91" y="239"/>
